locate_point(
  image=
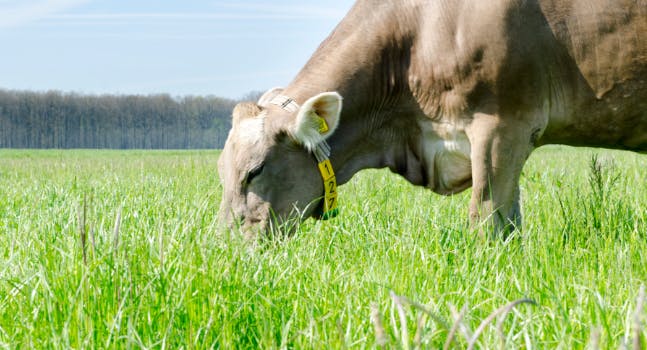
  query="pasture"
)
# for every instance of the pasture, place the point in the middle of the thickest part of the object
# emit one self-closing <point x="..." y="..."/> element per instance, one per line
<point x="121" y="249"/>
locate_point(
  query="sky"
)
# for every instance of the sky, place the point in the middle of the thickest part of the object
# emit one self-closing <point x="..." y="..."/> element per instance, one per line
<point x="181" y="47"/>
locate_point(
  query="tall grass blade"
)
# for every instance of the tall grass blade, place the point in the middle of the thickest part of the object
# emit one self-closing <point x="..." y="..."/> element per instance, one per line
<point x="115" y="232"/>
<point x="458" y="325"/>
<point x="404" y="332"/>
<point x="640" y="305"/>
<point x="594" y="343"/>
<point x="503" y="312"/>
<point x="83" y="230"/>
<point x="378" y="325"/>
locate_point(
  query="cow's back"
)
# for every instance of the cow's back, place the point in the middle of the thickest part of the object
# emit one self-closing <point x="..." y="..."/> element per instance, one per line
<point x="607" y="53"/>
<point x="605" y="38"/>
<point x="581" y="64"/>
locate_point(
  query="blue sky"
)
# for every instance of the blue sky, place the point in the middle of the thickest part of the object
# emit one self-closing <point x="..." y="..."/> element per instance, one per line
<point x="184" y="47"/>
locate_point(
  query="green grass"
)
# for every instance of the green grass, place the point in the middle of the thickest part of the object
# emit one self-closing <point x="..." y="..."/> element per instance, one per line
<point x="158" y="273"/>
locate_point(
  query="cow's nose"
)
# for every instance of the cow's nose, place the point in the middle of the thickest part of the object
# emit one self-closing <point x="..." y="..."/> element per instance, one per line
<point x="237" y="221"/>
<point x="231" y="220"/>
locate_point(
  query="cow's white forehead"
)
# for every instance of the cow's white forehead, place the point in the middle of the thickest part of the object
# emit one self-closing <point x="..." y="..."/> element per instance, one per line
<point x="250" y="130"/>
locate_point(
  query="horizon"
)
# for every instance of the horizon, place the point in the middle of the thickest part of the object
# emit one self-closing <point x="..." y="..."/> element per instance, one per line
<point x="190" y="48"/>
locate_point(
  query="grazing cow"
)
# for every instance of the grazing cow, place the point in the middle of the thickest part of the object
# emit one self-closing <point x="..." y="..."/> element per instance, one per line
<point x="448" y="94"/>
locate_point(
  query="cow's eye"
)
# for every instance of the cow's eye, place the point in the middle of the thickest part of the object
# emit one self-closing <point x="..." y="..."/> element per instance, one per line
<point x="254" y="173"/>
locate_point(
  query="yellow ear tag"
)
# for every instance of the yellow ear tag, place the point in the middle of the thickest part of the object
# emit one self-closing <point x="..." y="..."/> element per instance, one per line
<point x="323" y="126"/>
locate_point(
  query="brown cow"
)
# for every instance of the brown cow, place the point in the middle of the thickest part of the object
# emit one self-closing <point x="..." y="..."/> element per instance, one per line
<point x="448" y="94"/>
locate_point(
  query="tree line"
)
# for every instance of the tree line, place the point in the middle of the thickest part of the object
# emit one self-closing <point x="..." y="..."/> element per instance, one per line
<point x="69" y="120"/>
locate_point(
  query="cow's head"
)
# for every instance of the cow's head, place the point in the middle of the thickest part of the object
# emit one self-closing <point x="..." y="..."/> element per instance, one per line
<point x="269" y="173"/>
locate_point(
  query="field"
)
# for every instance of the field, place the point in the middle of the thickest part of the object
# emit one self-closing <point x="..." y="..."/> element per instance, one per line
<point x="122" y="249"/>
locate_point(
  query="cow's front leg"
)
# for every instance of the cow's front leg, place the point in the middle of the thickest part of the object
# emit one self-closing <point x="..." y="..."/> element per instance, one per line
<point x="499" y="149"/>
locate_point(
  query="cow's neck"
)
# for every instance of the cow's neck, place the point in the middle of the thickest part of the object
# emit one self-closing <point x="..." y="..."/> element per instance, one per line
<point x="370" y="72"/>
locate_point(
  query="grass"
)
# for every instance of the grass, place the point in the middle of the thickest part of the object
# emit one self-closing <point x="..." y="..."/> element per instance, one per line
<point x="396" y="269"/>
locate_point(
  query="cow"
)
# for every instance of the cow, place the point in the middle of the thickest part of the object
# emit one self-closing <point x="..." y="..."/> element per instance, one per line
<point x="448" y="94"/>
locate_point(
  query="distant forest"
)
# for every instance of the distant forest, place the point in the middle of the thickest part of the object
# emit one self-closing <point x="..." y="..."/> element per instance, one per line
<point x="68" y="120"/>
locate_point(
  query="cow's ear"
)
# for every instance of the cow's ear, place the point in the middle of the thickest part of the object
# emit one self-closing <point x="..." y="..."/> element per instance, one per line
<point x="245" y="110"/>
<point x="317" y="119"/>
